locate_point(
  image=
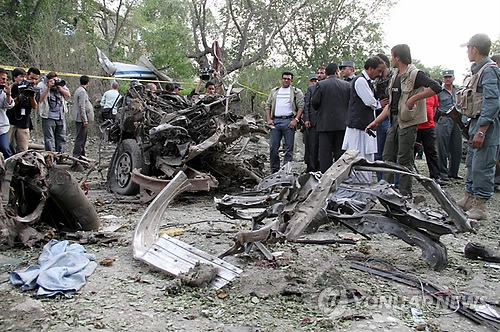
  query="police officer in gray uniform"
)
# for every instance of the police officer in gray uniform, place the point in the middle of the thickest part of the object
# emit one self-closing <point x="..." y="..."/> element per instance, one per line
<point x="484" y="129"/>
<point x="449" y="135"/>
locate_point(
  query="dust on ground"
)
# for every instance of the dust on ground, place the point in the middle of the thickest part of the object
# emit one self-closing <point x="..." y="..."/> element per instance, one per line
<point x="288" y="295"/>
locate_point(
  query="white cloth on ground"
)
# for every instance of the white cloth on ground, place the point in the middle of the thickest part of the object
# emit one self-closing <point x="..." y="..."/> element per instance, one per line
<point x="62" y="270"/>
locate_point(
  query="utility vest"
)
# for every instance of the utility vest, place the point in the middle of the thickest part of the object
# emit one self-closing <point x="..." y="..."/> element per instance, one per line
<point x="418" y="114"/>
<point x="469" y="100"/>
<point x="359" y="115"/>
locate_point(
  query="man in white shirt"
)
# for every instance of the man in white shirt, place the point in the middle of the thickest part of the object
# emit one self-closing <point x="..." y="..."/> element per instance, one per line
<point x="283" y="110"/>
<point x="361" y="112"/>
<point x="109" y="101"/>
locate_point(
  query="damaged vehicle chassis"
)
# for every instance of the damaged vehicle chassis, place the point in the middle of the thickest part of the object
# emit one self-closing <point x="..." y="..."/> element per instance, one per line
<point x="159" y="134"/>
<point x="306" y="202"/>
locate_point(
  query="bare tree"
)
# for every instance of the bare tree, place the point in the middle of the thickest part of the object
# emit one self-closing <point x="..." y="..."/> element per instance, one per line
<point x="249" y="29"/>
<point x="112" y="19"/>
<point x="334" y="30"/>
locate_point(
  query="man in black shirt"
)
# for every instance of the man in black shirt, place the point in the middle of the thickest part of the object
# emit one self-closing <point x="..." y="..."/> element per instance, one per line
<point x="26" y="100"/>
<point x="408" y="89"/>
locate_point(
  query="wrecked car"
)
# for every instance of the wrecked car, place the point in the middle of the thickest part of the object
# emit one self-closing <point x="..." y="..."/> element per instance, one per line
<point x="35" y="190"/>
<point x="160" y="133"/>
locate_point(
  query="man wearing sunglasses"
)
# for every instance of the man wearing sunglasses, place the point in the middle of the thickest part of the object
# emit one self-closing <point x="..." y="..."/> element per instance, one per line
<point x="284" y="108"/>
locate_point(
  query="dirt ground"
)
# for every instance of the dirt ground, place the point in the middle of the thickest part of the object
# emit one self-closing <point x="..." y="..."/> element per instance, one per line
<point x="288" y="295"/>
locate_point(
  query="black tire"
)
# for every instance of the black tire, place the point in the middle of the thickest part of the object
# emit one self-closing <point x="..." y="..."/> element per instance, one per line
<point x="127" y="156"/>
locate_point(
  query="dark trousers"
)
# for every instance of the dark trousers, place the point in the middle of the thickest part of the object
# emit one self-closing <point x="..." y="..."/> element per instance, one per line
<point x="449" y="138"/>
<point x="381" y="135"/>
<point x="312" y="150"/>
<point x="399" y="148"/>
<point x="80" y="140"/>
<point x="330" y="148"/>
<point x="428" y="139"/>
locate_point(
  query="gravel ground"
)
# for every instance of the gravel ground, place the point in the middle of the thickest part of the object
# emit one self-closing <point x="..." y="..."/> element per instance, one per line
<point x="288" y="295"/>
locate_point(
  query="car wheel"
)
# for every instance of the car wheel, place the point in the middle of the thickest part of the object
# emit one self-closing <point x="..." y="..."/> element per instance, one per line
<point x="127" y="156"/>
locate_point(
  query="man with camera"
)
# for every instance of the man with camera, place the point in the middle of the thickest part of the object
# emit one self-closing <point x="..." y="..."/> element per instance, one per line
<point x="53" y="92"/>
<point x="6" y="102"/>
<point x="26" y="97"/>
<point x="211" y="88"/>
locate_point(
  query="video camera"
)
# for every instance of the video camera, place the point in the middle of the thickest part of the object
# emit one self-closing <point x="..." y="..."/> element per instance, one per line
<point x="26" y="87"/>
<point x="59" y="82"/>
<point x="206" y="73"/>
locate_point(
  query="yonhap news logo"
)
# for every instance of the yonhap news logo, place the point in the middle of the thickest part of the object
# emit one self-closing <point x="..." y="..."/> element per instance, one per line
<point x="338" y="302"/>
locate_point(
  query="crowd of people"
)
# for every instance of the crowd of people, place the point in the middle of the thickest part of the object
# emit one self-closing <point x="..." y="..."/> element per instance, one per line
<point x="388" y="112"/>
<point x="49" y="95"/>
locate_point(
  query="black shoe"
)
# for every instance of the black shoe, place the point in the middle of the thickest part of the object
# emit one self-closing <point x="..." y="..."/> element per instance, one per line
<point x="444" y="179"/>
<point x="496" y="188"/>
<point x="477" y="251"/>
<point x="458" y="177"/>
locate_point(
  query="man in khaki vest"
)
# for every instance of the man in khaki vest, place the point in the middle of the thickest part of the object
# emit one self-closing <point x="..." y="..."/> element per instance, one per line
<point x="408" y="89"/>
<point x="484" y="130"/>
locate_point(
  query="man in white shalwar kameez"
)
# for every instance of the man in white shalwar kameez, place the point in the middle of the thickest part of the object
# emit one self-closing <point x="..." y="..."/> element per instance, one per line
<point x="362" y="106"/>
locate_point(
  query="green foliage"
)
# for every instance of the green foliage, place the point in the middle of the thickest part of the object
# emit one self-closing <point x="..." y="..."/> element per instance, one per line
<point x="495" y="47"/>
<point x="327" y="31"/>
<point x="434" y="72"/>
<point x="165" y="35"/>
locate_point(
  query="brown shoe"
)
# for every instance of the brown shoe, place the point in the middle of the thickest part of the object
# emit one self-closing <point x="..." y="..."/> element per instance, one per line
<point x="478" y="210"/>
<point x="466" y="202"/>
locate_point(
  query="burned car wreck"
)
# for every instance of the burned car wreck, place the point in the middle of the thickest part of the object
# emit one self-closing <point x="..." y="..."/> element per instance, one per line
<point x="285" y="206"/>
<point x="159" y="134"/>
<point x="34" y="190"/>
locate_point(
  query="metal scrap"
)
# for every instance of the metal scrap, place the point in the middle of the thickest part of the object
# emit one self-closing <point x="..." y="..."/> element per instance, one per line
<point x="33" y="189"/>
<point x="457" y="303"/>
<point x="167" y="253"/>
<point x="291" y="205"/>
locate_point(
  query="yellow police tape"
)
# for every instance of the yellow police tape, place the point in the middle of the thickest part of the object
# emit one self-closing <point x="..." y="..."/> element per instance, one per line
<point x="127" y="79"/>
<point x="253" y="90"/>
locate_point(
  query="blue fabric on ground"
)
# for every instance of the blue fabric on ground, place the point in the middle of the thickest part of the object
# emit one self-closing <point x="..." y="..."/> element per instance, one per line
<point x="62" y="270"/>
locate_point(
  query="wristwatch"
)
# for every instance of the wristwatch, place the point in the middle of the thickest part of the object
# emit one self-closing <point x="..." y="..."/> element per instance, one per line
<point x="480" y="133"/>
<point x="296" y="119"/>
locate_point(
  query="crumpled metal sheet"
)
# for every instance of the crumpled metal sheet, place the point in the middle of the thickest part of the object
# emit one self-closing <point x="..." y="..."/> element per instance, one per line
<point x="168" y="254"/>
<point x="35" y="191"/>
